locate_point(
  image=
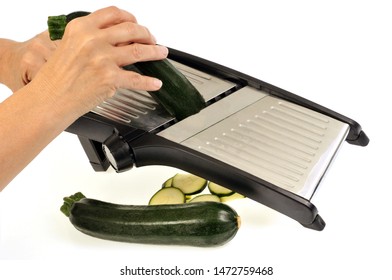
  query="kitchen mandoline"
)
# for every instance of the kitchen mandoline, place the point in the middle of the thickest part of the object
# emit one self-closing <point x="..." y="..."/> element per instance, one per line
<point x="259" y="140"/>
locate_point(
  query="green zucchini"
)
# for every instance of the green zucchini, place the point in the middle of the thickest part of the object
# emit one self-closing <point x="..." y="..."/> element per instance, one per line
<point x="203" y="224"/>
<point x="177" y="95"/>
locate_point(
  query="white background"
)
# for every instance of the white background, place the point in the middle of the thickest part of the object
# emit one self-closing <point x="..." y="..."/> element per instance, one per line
<point x="336" y="53"/>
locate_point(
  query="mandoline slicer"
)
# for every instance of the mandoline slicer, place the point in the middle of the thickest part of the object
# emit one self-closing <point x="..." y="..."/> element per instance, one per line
<point x="259" y="140"/>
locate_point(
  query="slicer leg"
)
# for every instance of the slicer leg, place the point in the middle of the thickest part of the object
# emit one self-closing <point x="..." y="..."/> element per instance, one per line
<point x="95" y="154"/>
<point x="318" y="224"/>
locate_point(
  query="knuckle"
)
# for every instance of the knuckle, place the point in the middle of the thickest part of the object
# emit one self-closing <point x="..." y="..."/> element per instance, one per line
<point x="73" y="25"/>
<point x="130" y="27"/>
<point x="137" y="52"/>
<point x="136" y="81"/>
<point x="74" y="29"/>
<point x="114" y="11"/>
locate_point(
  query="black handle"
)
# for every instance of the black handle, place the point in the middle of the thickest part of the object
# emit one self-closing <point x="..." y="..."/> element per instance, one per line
<point x="151" y="149"/>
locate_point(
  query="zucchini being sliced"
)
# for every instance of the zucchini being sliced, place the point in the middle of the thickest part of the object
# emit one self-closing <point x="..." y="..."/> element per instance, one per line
<point x="167" y="195"/>
<point x="201" y="224"/>
<point x="188" y="183"/>
<point x="177" y="95"/>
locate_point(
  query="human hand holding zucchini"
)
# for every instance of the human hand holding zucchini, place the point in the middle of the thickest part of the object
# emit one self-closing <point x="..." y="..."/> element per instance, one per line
<point x="177" y="95"/>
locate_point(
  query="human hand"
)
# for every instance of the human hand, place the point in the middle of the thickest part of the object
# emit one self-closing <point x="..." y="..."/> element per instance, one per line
<point x="85" y="69"/>
<point x="24" y="59"/>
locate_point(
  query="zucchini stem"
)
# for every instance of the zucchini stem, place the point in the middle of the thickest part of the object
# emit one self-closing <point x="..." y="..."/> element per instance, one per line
<point x="56" y="26"/>
<point x="69" y="201"/>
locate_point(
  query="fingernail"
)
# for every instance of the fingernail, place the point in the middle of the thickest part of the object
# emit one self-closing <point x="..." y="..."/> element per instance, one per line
<point x="164" y="50"/>
<point x="157" y="83"/>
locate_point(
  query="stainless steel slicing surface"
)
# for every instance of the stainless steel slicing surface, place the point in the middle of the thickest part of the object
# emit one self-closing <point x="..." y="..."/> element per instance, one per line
<point x="280" y="142"/>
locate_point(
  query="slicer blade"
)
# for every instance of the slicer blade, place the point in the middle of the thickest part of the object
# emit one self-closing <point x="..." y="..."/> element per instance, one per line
<point x="139" y="110"/>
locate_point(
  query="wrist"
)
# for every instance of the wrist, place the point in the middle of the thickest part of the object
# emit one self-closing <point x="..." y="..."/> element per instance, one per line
<point x="57" y="110"/>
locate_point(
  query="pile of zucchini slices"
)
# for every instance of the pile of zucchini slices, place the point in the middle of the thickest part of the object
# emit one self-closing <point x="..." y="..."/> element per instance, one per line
<point x="188" y="188"/>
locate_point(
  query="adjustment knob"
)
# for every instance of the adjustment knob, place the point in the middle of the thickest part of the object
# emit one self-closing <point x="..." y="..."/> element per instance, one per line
<point x="118" y="153"/>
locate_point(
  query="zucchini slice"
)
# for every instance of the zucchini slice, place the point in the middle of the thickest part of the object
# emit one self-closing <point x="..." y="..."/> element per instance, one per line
<point x="205" y="197"/>
<point x="231" y="197"/>
<point x="188" y="183"/>
<point x="203" y="224"/>
<point x="168" y="183"/>
<point x="167" y="195"/>
<point x="219" y="190"/>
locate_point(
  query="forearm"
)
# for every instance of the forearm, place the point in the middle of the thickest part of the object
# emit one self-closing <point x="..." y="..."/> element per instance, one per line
<point x="29" y="121"/>
<point x="7" y="48"/>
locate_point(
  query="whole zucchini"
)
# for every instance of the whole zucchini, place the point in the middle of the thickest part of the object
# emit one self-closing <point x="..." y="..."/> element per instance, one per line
<point x="177" y="95"/>
<point x="201" y="224"/>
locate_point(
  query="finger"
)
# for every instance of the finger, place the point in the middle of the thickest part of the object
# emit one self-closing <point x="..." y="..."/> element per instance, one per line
<point x="139" y="52"/>
<point x="135" y="81"/>
<point x="128" y="32"/>
<point x="110" y="16"/>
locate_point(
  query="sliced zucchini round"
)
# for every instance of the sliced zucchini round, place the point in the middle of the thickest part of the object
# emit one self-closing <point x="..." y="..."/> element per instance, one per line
<point x="219" y="190"/>
<point x="231" y="197"/>
<point x="205" y="197"/>
<point x="189" y="183"/>
<point x="167" y="195"/>
<point x="168" y="183"/>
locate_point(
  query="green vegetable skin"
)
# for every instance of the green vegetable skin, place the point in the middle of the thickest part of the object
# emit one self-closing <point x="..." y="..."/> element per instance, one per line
<point x="202" y="224"/>
<point x="57" y="24"/>
<point x="177" y="95"/>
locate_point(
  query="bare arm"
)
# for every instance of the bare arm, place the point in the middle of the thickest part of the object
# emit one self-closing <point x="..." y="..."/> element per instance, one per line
<point x="84" y="70"/>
